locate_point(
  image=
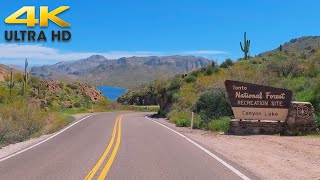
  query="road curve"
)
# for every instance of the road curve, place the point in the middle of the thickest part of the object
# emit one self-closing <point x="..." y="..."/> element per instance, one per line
<point x="121" y="146"/>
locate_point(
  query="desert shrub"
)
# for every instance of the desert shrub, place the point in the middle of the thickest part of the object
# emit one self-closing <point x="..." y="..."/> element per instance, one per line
<point x="175" y="97"/>
<point x="184" y="118"/>
<point x="313" y="69"/>
<point x="209" y="70"/>
<point x="73" y="86"/>
<point x="61" y="85"/>
<point x="58" y="121"/>
<point x="196" y="73"/>
<point x="4" y="94"/>
<point x="18" y="77"/>
<point x="212" y="105"/>
<point x="102" y="103"/>
<point x="175" y="85"/>
<point x="284" y="67"/>
<point x="187" y="97"/>
<point x="175" y="116"/>
<point x="34" y="82"/>
<point x="21" y="121"/>
<point x="227" y="63"/>
<point x="161" y="113"/>
<point x="77" y="105"/>
<point x="315" y="100"/>
<point x="183" y="123"/>
<point x="49" y="102"/>
<point x="68" y="89"/>
<point x="220" y="125"/>
<point x="190" y="79"/>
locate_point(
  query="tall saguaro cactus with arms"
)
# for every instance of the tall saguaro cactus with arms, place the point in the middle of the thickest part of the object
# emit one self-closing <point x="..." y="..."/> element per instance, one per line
<point x="25" y="76"/>
<point x="246" y="46"/>
<point x="11" y="83"/>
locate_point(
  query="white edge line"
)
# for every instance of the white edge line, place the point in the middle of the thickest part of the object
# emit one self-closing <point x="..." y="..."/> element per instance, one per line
<point x="43" y="141"/>
<point x="206" y="151"/>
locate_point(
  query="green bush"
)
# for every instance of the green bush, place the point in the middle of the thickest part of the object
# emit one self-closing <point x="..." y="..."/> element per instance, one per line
<point x="68" y="89"/>
<point x="77" y="105"/>
<point x="190" y="79"/>
<point x="175" y="97"/>
<point x="212" y="105"/>
<point x="161" y="113"/>
<point x="175" y="85"/>
<point x="177" y="115"/>
<point x="179" y="118"/>
<point x="227" y="63"/>
<point x="220" y="125"/>
<point x="183" y="123"/>
<point x="209" y="70"/>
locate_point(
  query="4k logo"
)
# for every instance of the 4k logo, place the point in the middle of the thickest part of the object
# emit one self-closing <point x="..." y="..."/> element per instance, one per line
<point x="45" y="16"/>
<point x="31" y="20"/>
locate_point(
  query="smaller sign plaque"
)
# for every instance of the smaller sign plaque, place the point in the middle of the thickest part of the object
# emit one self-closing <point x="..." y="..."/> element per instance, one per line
<point x="257" y="102"/>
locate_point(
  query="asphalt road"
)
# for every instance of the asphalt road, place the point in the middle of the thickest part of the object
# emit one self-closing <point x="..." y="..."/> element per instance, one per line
<point x="116" y="146"/>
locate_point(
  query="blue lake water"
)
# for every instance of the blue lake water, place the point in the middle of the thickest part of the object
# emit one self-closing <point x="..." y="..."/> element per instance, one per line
<point x="111" y="92"/>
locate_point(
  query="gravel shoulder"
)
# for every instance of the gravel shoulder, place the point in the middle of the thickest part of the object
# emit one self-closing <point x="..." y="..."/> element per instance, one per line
<point x="267" y="157"/>
<point x="13" y="148"/>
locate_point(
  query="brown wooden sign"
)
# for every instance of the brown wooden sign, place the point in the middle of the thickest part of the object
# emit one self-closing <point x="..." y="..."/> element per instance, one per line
<point x="256" y="102"/>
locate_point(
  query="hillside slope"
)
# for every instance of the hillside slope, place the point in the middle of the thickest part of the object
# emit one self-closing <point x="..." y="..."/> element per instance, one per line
<point x="5" y="70"/>
<point x="203" y="91"/>
<point x="302" y="44"/>
<point x="124" y="72"/>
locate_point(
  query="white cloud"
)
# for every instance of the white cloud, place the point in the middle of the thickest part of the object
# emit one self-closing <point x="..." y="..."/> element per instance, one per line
<point x="39" y="54"/>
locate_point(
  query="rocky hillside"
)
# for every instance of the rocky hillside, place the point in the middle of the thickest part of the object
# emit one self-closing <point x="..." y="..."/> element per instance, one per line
<point x="57" y="94"/>
<point x="5" y="70"/>
<point x="302" y="44"/>
<point x="123" y="72"/>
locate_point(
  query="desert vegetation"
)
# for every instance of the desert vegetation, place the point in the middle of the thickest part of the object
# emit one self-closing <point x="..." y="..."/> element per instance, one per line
<point x="30" y="107"/>
<point x="202" y="91"/>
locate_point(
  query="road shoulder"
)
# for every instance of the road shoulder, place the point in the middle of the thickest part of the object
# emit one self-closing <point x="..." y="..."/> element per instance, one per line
<point x="14" y="148"/>
<point x="267" y="157"/>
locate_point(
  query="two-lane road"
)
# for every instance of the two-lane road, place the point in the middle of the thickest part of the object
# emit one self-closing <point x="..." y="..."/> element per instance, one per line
<point x="117" y="146"/>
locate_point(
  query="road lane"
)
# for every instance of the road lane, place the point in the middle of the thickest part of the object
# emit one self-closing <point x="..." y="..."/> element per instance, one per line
<point x="106" y="145"/>
<point x="70" y="155"/>
<point x="105" y="153"/>
<point x="149" y="151"/>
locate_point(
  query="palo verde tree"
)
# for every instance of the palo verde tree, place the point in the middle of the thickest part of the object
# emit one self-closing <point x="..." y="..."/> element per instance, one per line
<point x="246" y="46"/>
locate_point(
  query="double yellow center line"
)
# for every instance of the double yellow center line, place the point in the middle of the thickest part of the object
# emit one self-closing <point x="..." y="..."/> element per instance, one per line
<point x="105" y="170"/>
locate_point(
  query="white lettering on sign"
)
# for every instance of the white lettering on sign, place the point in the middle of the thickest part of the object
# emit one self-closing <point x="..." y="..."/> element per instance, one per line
<point x="248" y="96"/>
<point x="271" y="96"/>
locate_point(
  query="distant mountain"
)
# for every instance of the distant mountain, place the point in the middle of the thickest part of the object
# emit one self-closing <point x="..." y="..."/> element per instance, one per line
<point x="302" y="44"/>
<point x="123" y="72"/>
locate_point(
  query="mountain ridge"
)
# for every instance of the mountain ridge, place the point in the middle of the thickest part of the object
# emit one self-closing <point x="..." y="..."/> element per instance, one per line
<point x="123" y="72"/>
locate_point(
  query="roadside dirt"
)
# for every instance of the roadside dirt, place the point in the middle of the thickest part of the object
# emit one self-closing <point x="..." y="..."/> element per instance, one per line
<point x="268" y="157"/>
<point x="13" y="148"/>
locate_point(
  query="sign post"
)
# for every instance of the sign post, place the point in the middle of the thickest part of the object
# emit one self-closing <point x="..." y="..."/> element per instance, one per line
<point x="192" y="120"/>
<point x="257" y="102"/>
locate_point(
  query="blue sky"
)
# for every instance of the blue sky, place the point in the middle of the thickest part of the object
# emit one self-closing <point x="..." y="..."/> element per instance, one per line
<point x="208" y="28"/>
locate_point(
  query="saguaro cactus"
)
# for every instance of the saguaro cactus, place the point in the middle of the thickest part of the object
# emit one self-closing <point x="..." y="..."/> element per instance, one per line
<point x="39" y="87"/>
<point x="246" y="46"/>
<point x="25" y="76"/>
<point x="11" y="83"/>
